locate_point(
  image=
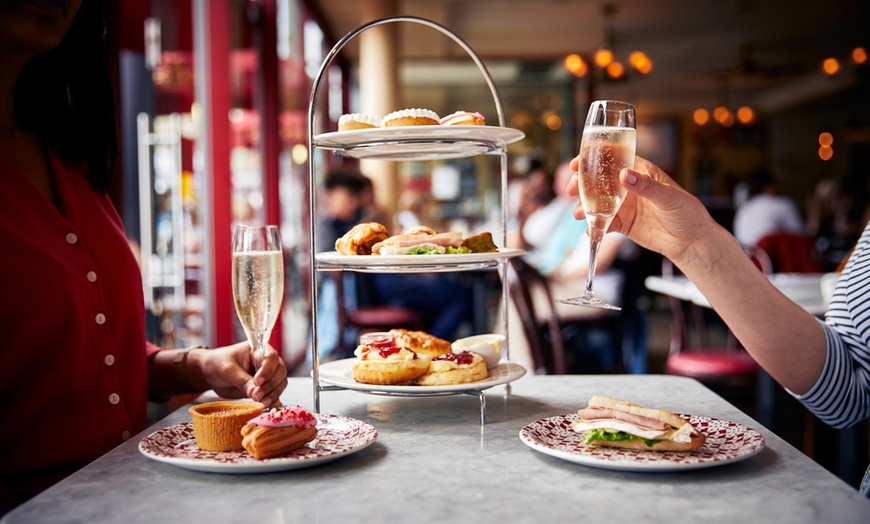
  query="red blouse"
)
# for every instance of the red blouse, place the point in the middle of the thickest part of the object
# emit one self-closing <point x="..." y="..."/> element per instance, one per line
<point x="74" y="367"/>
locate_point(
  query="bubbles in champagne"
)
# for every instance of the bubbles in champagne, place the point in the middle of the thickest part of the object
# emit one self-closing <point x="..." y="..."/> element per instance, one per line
<point x="604" y="152"/>
<point x="258" y="288"/>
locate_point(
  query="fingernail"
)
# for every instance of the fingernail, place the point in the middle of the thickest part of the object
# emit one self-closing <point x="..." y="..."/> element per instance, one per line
<point x="631" y="178"/>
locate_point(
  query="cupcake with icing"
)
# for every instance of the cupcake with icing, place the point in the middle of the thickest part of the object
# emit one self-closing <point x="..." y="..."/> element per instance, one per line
<point x="463" y="118"/>
<point x="354" y="121"/>
<point x="412" y="117"/>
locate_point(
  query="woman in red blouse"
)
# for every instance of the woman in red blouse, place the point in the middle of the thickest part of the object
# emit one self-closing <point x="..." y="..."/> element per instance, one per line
<point x="76" y="370"/>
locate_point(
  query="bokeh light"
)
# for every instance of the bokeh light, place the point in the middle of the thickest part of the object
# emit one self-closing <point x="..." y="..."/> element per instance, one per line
<point x="745" y="115"/>
<point x="701" y="116"/>
<point x="826" y="152"/>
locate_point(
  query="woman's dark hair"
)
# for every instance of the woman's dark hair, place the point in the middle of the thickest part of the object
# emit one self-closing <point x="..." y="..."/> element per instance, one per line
<point x="66" y="95"/>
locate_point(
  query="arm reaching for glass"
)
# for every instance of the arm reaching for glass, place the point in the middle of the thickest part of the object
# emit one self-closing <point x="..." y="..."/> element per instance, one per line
<point x="661" y="216"/>
<point x="231" y="371"/>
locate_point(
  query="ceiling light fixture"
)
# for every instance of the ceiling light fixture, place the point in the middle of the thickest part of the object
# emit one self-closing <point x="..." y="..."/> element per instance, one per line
<point x="604" y="59"/>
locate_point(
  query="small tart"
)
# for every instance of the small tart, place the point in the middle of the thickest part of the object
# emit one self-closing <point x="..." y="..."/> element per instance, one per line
<point x="412" y="117"/>
<point x="354" y="121"/>
<point x="388" y="366"/>
<point x="217" y="425"/>
<point x="463" y="118"/>
<point x="454" y="368"/>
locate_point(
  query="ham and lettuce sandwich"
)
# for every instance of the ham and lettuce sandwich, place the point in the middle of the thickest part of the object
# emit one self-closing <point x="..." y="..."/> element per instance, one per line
<point x="616" y="423"/>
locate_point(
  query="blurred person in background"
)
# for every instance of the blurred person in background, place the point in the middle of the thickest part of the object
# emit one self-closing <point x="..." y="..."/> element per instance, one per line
<point x="766" y="211"/>
<point x="77" y="370"/>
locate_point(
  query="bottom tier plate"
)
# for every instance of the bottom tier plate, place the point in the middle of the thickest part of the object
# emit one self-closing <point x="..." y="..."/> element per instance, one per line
<point x="339" y="373"/>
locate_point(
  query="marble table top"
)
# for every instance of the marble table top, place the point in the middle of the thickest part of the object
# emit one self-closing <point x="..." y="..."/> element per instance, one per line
<point x="433" y="461"/>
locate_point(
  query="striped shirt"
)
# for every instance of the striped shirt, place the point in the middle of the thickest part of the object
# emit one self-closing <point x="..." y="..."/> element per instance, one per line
<point x="841" y="397"/>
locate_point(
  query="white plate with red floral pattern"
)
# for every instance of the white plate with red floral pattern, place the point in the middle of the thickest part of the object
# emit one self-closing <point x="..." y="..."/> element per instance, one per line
<point x="727" y="442"/>
<point x="337" y="436"/>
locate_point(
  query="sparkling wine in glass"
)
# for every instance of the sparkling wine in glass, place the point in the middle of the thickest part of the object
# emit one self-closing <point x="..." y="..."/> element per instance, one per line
<point x="258" y="283"/>
<point x="607" y="146"/>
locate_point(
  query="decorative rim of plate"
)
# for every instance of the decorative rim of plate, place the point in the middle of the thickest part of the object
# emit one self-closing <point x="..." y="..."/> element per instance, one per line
<point x="337" y="436"/>
<point x="727" y="442"/>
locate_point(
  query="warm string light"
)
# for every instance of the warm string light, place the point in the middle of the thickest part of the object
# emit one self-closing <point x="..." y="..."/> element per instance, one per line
<point x="605" y="59"/>
<point x="826" y="141"/>
<point x="831" y="66"/>
<point x="724" y="116"/>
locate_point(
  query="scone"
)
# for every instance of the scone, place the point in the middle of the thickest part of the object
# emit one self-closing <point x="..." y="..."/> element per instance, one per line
<point x="388" y="366"/>
<point x="412" y="117"/>
<point x="355" y="121"/>
<point x="278" y="432"/>
<point x="360" y="239"/>
<point x="217" y="425"/>
<point x="454" y="368"/>
<point x="421" y="342"/>
<point x="463" y="118"/>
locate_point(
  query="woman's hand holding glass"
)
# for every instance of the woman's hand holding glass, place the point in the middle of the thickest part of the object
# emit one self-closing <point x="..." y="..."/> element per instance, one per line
<point x="657" y="214"/>
<point x="607" y="146"/>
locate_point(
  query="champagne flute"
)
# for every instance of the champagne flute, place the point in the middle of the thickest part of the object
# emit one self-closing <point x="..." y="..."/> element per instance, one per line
<point x="258" y="283"/>
<point x="607" y="146"/>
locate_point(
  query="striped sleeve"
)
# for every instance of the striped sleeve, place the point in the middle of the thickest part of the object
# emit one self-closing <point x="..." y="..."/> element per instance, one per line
<point x="841" y="397"/>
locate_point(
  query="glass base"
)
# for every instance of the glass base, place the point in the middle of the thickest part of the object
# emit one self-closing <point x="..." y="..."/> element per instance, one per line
<point x="588" y="301"/>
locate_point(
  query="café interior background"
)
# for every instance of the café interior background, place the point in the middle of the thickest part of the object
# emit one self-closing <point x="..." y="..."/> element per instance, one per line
<point x="761" y="64"/>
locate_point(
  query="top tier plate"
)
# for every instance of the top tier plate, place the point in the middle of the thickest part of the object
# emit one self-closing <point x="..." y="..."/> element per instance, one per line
<point x="418" y="142"/>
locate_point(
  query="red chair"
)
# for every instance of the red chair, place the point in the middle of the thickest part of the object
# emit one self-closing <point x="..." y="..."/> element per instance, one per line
<point x="548" y="355"/>
<point x="365" y="318"/>
<point x="727" y="365"/>
<point x="791" y="252"/>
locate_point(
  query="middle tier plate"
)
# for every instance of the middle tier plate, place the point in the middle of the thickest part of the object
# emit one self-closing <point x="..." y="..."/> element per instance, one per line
<point x="339" y="373"/>
<point x="331" y="260"/>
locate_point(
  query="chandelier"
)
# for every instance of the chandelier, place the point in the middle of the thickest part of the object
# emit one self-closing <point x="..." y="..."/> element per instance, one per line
<point x="604" y="60"/>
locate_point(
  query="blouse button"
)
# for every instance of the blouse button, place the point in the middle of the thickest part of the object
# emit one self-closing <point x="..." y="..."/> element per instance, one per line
<point x="92" y="276"/>
<point x="71" y="238"/>
<point x="114" y="398"/>
<point x="100" y="318"/>
<point x="109" y="360"/>
<point x="125" y="435"/>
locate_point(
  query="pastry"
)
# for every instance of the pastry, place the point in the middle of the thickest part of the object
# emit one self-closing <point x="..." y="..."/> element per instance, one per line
<point x="422" y="343"/>
<point x="454" y="368"/>
<point x="361" y="238"/>
<point x="388" y="365"/>
<point x="217" y="425"/>
<point x="354" y="121"/>
<point x="412" y="117"/>
<point x="278" y="432"/>
<point x="463" y="118"/>
<point x="481" y="243"/>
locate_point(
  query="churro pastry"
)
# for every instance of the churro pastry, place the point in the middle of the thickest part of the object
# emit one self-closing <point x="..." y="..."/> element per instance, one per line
<point x="279" y="432"/>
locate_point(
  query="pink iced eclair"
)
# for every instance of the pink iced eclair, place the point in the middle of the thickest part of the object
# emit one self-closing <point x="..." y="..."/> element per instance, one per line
<point x="279" y="432"/>
<point x="463" y="118"/>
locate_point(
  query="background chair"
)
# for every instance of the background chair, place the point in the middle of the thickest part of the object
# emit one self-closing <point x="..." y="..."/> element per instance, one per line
<point x="545" y="340"/>
<point x="725" y="367"/>
<point x="358" y="314"/>
<point x="790" y="253"/>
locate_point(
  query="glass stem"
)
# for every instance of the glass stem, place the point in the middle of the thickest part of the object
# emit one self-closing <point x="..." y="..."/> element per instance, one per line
<point x="595" y="238"/>
<point x="261" y="347"/>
